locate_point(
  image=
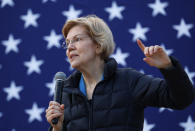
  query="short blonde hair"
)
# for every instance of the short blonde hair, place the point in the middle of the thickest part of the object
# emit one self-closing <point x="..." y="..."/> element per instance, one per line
<point x="97" y="29"/>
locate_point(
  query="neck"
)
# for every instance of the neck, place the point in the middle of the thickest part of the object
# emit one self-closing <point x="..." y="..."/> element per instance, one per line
<point x="92" y="74"/>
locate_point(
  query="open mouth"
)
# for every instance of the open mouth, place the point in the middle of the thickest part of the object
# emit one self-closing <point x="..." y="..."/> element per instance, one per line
<point x="73" y="56"/>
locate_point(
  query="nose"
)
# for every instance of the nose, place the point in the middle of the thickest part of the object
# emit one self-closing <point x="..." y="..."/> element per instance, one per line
<point x="71" y="46"/>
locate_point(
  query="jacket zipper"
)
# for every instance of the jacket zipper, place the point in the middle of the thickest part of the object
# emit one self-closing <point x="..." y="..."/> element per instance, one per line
<point x="90" y="109"/>
<point x="90" y="116"/>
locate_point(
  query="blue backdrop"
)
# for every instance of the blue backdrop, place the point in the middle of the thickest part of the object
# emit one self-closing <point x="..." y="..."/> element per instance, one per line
<point x="31" y="53"/>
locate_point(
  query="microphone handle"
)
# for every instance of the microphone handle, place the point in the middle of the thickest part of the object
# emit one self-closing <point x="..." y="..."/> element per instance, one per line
<point x="57" y="97"/>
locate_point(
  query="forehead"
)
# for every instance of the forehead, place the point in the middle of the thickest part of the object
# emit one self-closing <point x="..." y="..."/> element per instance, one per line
<point x="75" y="30"/>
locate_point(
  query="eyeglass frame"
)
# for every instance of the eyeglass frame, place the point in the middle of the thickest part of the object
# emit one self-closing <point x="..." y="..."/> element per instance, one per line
<point x="75" y="39"/>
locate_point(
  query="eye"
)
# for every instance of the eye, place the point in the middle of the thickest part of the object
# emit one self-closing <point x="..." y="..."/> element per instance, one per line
<point x="77" y="39"/>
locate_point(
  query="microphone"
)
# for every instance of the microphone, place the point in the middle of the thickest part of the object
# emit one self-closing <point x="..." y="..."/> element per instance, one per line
<point x="59" y="78"/>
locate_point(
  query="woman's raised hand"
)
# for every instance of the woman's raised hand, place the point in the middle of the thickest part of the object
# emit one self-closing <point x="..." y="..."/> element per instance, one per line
<point x="155" y="55"/>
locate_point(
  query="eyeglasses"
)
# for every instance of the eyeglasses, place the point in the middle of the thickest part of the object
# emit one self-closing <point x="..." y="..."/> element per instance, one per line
<point x="76" y="39"/>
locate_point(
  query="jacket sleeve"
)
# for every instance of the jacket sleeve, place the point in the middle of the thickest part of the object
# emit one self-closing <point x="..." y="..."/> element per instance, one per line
<point x="175" y="91"/>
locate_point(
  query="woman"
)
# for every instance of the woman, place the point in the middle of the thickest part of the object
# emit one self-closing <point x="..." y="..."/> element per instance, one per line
<point x="99" y="96"/>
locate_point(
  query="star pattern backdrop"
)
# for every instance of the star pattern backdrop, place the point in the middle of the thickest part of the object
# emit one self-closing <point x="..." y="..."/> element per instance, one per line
<point x="31" y="53"/>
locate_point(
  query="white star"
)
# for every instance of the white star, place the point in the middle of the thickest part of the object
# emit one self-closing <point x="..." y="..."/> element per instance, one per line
<point x="114" y="11"/>
<point x="30" y="19"/>
<point x="53" y="40"/>
<point x="33" y="65"/>
<point x="1" y="114"/>
<point x="148" y="127"/>
<point x="183" y="29"/>
<point x="1" y="66"/>
<point x="162" y="109"/>
<point x="51" y="87"/>
<point x="139" y="32"/>
<point x="168" y="51"/>
<point x="11" y="44"/>
<point x="158" y="7"/>
<point x="72" y="13"/>
<point x="13" y="129"/>
<point x="189" y="125"/>
<point x="44" y="1"/>
<point x="190" y="74"/>
<point x="120" y="57"/>
<point x="34" y="113"/>
<point x="7" y="2"/>
<point x="13" y="91"/>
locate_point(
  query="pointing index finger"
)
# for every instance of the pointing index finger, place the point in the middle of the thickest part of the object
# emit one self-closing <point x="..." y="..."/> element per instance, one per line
<point x="141" y="45"/>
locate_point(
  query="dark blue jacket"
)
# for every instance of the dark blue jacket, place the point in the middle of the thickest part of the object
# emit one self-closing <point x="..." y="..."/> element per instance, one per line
<point x="119" y="100"/>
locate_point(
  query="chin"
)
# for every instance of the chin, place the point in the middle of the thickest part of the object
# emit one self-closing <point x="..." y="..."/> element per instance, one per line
<point x="74" y="65"/>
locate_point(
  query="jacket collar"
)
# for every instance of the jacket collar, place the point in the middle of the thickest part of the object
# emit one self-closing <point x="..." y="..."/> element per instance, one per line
<point x="109" y="70"/>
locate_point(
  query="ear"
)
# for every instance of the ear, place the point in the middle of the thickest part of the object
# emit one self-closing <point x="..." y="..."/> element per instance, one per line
<point x="98" y="49"/>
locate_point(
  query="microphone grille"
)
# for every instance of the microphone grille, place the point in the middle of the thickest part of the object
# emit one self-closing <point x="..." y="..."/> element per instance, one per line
<point x="60" y="76"/>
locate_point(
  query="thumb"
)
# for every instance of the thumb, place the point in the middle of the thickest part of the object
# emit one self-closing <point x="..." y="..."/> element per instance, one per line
<point x="62" y="106"/>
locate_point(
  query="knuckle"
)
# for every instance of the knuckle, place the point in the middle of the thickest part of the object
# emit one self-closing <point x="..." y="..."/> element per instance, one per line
<point x="53" y="107"/>
<point x="49" y="108"/>
<point x="49" y="119"/>
<point x="152" y="47"/>
<point x="51" y="103"/>
<point x="157" y="47"/>
<point x="52" y="111"/>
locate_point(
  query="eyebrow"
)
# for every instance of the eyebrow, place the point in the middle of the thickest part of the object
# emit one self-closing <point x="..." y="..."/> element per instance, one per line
<point x="74" y="36"/>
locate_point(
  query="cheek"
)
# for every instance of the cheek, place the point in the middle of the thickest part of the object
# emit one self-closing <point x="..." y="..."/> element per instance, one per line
<point x="89" y="50"/>
<point x="90" y="54"/>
